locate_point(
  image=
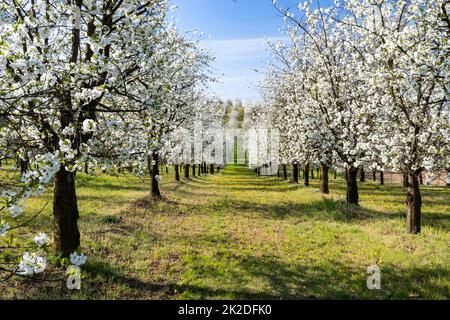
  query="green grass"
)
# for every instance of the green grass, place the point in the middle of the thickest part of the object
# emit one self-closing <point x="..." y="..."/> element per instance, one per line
<point x="235" y="236"/>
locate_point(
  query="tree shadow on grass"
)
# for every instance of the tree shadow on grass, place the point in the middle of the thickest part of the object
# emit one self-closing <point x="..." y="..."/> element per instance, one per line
<point x="330" y="280"/>
<point x="265" y="277"/>
<point x="325" y="209"/>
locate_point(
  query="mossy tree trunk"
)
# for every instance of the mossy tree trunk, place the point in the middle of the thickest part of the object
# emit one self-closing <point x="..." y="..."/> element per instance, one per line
<point x="352" y="186"/>
<point x="154" y="176"/>
<point x="405" y="180"/>
<point x="65" y="213"/>
<point x="187" y="171"/>
<point x="177" y="172"/>
<point x="414" y="203"/>
<point x="324" y="185"/>
<point x="295" y="173"/>
<point x="306" y="177"/>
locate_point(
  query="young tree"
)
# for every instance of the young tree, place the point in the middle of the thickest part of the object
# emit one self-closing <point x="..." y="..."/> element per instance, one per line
<point x="67" y="69"/>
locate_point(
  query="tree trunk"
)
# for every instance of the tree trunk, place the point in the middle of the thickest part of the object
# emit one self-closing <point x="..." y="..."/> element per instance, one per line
<point x="295" y="172"/>
<point x="414" y="202"/>
<point x="335" y="174"/>
<point x="306" y="175"/>
<point x="205" y="171"/>
<point x="23" y="166"/>
<point x="374" y="175"/>
<point x="194" y="170"/>
<point x="352" y="186"/>
<point x="363" y="175"/>
<point x="186" y="171"/>
<point x="200" y="166"/>
<point x="421" y="179"/>
<point x="177" y="172"/>
<point x="65" y="214"/>
<point x="405" y="180"/>
<point x="211" y="168"/>
<point x="86" y="167"/>
<point x="285" y="172"/>
<point x="324" y="187"/>
<point x="382" y="177"/>
<point x="154" y="176"/>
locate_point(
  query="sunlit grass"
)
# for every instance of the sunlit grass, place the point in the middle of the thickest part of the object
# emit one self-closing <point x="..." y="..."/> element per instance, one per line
<point x="235" y="236"/>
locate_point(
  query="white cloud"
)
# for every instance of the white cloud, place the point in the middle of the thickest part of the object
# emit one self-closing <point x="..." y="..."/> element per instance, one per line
<point x="237" y="60"/>
<point x="240" y="49"/>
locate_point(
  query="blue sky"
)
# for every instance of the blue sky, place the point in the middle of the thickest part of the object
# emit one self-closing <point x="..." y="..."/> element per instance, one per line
<point x="237" y="29"/>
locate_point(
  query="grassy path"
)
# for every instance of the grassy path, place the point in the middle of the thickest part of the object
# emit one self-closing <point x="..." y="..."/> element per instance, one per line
<point x="233" y="235"/>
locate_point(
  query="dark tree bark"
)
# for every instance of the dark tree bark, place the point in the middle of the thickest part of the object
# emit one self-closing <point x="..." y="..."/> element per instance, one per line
<point x="86" y="167"/>
<point x="405" y="180"/>
<point x="363" y="175"/>
<point x="200" y="167"/>
<point x="285" y="175"/>
<point x="186" y="171"/>
<point x="65" y="214"/>
<point x="205" y="171"/>
<point x="421" y="179"/>
<point x="382" y="177"/>
<point x="374" y="175"/>
<point x="306" y="175"/>
<point x="324" y="187"/>
<point x="154" y="176"/>
<point x="335" y="175"/>
<point x="278" y="172"/>
<point x="177" y="172"/>
<point x="23" y="166"/>
<point x="352" y="186"/>
<point x="211" y="168"/>
<point x="194" y="167"/>
<point x="295" y="173"/>
<point x="414" y="203"/>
